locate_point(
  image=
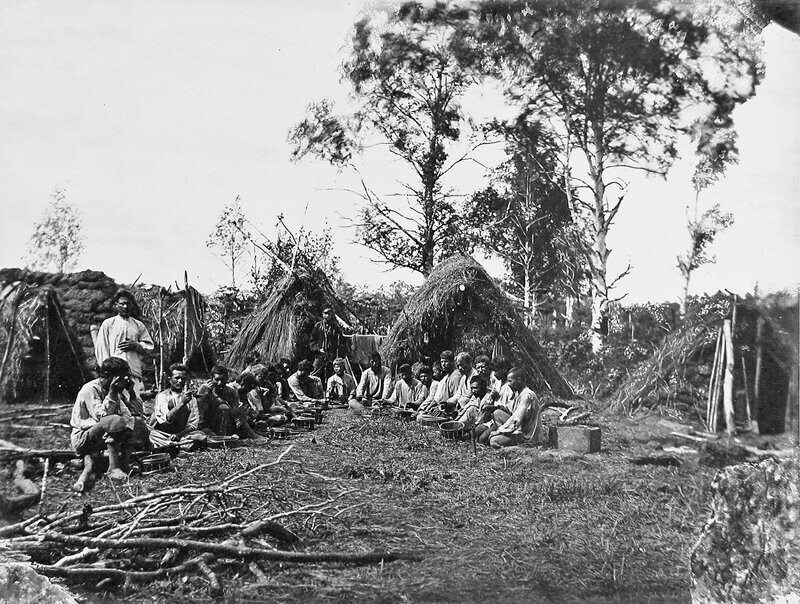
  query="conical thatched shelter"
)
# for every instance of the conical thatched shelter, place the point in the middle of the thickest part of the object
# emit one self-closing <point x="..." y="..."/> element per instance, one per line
<point x="281" y="326"/>
<point x="461" y="308"/>
<point x="38" y="357"/>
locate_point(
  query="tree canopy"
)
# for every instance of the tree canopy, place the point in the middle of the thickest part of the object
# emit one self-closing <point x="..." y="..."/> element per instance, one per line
<point x="57" y="241"/>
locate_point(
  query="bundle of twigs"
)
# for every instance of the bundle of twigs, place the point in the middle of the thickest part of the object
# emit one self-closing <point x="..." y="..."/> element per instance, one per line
<point x="187" y="529"/>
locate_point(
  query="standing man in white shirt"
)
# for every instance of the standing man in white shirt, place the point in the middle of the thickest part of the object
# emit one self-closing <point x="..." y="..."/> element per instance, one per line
<point x="124" y="337"/>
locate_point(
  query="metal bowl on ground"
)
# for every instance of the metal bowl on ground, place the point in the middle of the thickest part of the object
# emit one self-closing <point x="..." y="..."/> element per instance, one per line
<point x="430" y="421"/>
<point x="306" y="422"/>
<point x="452" y="430"/>
<point x="221" y="442"/>
<point x="403" y="414"/>
<point x="156" y="462"/>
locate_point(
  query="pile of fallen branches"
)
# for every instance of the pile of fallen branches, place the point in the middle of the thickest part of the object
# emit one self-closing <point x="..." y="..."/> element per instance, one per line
<point x="242" y="521"/>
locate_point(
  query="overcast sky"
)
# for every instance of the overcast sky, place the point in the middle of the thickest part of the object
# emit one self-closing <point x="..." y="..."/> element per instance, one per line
<point x="153" y="115"/>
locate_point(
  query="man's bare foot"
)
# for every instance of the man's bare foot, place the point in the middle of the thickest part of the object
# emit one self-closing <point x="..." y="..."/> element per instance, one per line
<point x="80" y="485"/>
<point x="117" y="475"/>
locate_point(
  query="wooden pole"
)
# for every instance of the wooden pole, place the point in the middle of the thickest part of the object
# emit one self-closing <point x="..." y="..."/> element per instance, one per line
<point x="47" y="355"/>
<point x="186" y="318"/>
<point x="747" y="413"/>
<point x="711" y="419"/>
<point x="759" y="362"/>
<point x="160" y="339"/>
<point x="727" y="384"/>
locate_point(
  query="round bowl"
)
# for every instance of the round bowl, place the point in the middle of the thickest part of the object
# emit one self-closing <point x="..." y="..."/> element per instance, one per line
<point x="452" y="430"/>
<point x="304" y="421"/>
<point x="156" y="462"/>
<point x="430" y="421"/>
<point x="220" y="442"/>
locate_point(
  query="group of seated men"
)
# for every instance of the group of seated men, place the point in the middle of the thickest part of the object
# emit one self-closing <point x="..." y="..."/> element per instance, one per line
<point x="491" y="399"/>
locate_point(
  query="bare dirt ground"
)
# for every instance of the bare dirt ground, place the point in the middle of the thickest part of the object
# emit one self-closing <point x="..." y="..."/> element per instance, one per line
<point x="522" y="525"/>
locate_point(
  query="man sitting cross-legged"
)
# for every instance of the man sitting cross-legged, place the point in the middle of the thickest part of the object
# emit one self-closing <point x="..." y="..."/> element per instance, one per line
<point x="101" y="420"/>
<point x="408" y="391"/>
<point x="519" y="418"/>
<point x="259" y="395"/>
<point x="221" y="410"/>
<point x="307" y="388"/>
<point x="478" y="409"/>
<point x="176" y="414"/>
<point x="376" y="382"/>
<point x="341" y="386"/>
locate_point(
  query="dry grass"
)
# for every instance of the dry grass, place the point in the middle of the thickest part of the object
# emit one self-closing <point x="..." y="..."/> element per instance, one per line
<point x="513" y="526"/>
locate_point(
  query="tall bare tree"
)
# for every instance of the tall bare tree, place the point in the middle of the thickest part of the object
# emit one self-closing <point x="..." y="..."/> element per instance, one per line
<point x="619" y="82"/>
<point x="407" y="78"/>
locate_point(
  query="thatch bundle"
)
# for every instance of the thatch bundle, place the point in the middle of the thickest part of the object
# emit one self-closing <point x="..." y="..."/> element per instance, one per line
<point x="461" y="308"/>
<point x="38" y="356"/>
<point x="281" y="326"/>
<point x="678" y="372"/>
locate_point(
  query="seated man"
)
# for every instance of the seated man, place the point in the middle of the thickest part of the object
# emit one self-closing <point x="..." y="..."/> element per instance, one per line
<point x="175" y="414"/>
<point x="429" y="385"/>
<point x="259" y="395"/>
<point x="341" y="386"/>
<point x="284" y="371"/>
<point x="408" y="392"/>
<point x="221" y="411"/>
<point x="376" y="382"/>
<point x="500" y="374"/>
<point x="461" y="393"/>
<point x="520" y="420"/>
<point x="478" y="409"/>
<point x="483" y="367"/>
<point x="307" y="388"/>
<point x="101" y="420"/>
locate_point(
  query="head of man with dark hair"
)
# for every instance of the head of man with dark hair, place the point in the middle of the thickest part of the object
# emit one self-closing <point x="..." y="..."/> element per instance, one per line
<point x="304" y="367"/>
<point x="517" y="380"/>
<point x="483" y="366"/>
<point x="446" y="362"/>
<point x="375" y="361"/>
<point x="124" y="303"/>
<point x="425" y="375"/>
<point x="478" y="386"/>
<point x="405" y="372"/>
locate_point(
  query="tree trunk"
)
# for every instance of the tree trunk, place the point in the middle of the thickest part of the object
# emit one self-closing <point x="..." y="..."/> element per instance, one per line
<point x="685" y="298"/>
<point x="569" y="310"/>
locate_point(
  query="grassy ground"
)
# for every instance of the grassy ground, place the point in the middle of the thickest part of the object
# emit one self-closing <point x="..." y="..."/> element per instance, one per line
<point x="524" y="525"/>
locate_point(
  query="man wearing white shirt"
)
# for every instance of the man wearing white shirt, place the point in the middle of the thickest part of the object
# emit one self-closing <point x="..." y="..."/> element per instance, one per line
<point x="124" y="337"/>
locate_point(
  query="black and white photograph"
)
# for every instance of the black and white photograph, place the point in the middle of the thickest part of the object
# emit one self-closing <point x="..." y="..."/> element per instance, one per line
<point x="399" y="301"/>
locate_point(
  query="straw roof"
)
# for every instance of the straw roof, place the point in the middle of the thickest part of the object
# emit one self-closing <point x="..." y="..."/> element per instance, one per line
<point x="461" y="308"/>
<point x="281" y="326"/>
<point x="39" y="358"/>
<point x="678" y="372"/>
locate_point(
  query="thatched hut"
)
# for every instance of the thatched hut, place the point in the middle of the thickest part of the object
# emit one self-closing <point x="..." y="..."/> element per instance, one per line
<point x="40" y="358"/>
<point x="678" y="373"/>
<point x="281" y="326"/>
<point x="85" y="300"/>
<point x="461" y="308"/>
